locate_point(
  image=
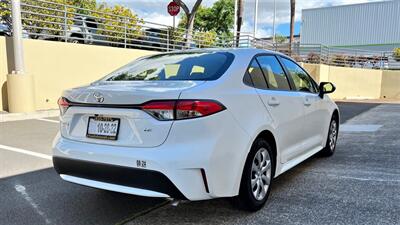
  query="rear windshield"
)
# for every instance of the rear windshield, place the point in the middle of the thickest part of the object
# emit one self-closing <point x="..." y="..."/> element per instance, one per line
<point x="175" y="66"/>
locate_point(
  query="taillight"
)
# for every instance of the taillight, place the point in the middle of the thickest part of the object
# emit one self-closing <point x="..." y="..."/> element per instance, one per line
<point x="63" y="104"/>
<point x="181" y="109"/>
<point x="186" y="109"/>
<point x="161" y="110"/>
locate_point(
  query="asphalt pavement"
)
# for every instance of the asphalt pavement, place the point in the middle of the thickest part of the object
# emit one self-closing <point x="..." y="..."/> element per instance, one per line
<point x="360" y="184"/>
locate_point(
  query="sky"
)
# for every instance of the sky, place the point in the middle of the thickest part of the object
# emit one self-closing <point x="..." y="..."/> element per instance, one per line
<point x="156" y="11"/>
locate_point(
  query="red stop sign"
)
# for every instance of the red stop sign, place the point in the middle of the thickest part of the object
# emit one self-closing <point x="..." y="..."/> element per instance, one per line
<point x="173" y="9"/>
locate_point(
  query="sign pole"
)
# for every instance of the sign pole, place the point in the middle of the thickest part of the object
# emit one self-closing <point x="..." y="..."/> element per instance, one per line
<point x="173" y="10"/>
<point x="173" y="30"/>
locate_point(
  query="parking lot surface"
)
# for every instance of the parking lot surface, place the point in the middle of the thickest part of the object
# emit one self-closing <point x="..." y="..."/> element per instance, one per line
<point x="360" y="184"/>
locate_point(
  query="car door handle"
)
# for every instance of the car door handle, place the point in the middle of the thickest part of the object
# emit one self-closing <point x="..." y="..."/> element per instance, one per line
<point x="273" y="101"/>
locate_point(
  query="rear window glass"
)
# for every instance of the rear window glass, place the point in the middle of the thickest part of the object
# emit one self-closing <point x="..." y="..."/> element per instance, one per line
<point x="273" y="72"/>
<point x="175" y="66"/>
<point x="256" y="75"/>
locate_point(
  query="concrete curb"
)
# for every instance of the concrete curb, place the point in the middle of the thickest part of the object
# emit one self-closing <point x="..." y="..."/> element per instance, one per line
<point x="6" y="117"/>
<point x="379" y="101"/>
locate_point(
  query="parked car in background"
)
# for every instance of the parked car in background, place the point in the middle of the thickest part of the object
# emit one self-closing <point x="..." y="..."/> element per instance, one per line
<point x="160" y="40"/>
<point x="155" y="38"/>
<point x="381" y="64"/>
<point x="84" y="30"/>
<point x="195" y="125"/>
<point x="5" y="30"/>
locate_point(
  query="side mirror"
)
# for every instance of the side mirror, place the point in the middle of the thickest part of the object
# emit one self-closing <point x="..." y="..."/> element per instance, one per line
<point x="326" y="88"/>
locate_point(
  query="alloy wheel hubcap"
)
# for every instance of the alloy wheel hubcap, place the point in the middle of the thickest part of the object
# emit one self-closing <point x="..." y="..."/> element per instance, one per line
<point x="261" y="174"/>
<point x="333" y="135"/>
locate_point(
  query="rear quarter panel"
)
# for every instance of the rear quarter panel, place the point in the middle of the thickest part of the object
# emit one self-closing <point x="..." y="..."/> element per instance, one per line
<point x="246" y="108"/>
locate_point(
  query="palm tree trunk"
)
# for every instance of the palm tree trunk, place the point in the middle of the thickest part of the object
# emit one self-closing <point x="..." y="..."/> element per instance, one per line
<point x="239" y="20"/>
<point x="292" y="16"/>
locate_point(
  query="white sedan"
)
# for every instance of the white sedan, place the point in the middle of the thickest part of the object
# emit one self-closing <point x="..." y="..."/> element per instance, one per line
<point x="195" y="125"/>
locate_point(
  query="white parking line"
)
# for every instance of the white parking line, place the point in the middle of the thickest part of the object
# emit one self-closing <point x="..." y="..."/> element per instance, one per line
<point x="367" y="179"/>
<point x="47" y="120"/>
<point x="22" y="190"/>
<point x="26" y="152"/>
<point x="7" y="117"/>
<point x="360" y="127"/>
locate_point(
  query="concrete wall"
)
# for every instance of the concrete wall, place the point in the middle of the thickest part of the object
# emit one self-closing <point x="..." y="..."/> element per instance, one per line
<point x="312" y="69"/>
<point x="57" y="66"/>
<point x="3" y="75"/>
<point x="355" y="83"/>
<point x="390" y="84"/>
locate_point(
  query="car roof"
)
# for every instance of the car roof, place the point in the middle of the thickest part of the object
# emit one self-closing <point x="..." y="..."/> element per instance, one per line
<point x="234" y="51"/>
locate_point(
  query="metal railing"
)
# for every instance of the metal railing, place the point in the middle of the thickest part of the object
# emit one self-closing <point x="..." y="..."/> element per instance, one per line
<point x="47" y="20"/>
<point x="344" y="57"/>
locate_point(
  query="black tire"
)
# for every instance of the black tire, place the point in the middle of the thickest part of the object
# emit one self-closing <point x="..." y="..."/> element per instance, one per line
<point x="328" y="150"/>
<point x="246" y="200"/>
<point x="76" y="39"/>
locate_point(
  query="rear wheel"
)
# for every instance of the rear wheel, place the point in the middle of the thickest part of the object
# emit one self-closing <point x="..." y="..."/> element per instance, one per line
<point x="332" y="138"/>
<point x="257" y="177"/>
<point x="76" y="39"/>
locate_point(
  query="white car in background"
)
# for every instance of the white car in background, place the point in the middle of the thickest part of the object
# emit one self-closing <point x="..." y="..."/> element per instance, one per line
<point x="195" y="125"/>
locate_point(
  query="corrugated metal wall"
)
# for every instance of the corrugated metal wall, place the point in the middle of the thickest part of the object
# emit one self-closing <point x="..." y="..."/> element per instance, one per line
<point x="360" y="24"/>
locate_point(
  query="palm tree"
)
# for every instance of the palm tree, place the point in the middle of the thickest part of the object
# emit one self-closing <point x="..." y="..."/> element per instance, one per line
<point x="239" y="20"/>
<point x="292" y="15"/>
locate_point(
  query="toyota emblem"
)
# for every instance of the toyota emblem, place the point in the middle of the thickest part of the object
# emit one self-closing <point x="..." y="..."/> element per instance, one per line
<point x="99" y="97"/>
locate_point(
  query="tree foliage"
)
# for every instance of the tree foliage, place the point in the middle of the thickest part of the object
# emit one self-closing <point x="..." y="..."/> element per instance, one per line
<point x="279" y="38"/>
<point x="117" y="22"/>
<point x="396" y="54"/>
<point x="47" y="18"/>
<point x="215" y="20"/>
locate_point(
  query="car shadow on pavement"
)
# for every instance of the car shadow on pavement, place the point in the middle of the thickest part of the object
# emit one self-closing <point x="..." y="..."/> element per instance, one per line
<point x="41" y="197"/>
<point x="222" y="211"/>
<point x="349" y="110"/>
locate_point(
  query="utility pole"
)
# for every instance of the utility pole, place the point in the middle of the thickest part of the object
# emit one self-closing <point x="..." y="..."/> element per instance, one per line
<point x="255" y="18"/>
<point x="19" y="66"/>
<point x="292" y="16"/>
<point x="20" y="86"/>
<point x="273" y="24"/>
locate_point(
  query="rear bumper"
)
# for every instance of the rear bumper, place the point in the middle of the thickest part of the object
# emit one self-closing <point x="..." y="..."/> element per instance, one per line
<point x="198" y="161"/>
<point x="111" y="177"/>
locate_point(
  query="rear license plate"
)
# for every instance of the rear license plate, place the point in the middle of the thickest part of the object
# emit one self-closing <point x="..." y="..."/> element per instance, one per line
<point x="103" y="128"/>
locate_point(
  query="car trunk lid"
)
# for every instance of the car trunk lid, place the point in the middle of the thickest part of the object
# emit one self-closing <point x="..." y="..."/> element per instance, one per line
<point x="118" y="104"/>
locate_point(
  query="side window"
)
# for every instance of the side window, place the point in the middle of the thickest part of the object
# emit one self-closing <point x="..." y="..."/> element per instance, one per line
<point x="301" y="80"/>
<point x="273" y="72"/>
<point x="255" y="75"/>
